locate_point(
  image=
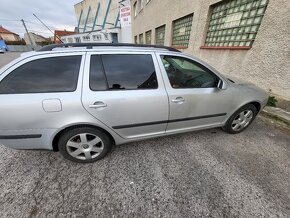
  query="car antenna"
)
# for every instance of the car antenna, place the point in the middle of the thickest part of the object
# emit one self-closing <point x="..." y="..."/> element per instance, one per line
<point x="48" y="28"/>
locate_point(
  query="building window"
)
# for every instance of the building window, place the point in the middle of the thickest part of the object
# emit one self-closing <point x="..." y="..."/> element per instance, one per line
<point x="160" y="35"/>
<point x="106" y="35"/>
<point x="141" y="39"/>
<point x="181" y="31"/>
<point x="148" y="37"/>
<point x="97" y="37"/>
<point x="86" y="38"/>
<point x="135" y="9"/>
<point x="141" y="4"/>
<point x="136" y="39"/>
<point x="235" y="23"/>
<point x="77" y="39"/>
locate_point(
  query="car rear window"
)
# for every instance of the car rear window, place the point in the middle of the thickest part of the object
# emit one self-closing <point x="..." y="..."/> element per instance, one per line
<point x="55" y="74"/>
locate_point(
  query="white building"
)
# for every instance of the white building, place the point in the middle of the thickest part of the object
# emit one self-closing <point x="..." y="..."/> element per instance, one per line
<point x="102" y="21"/>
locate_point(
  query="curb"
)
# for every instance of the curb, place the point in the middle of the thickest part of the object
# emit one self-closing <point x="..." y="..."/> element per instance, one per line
<point x="276" y="117"/>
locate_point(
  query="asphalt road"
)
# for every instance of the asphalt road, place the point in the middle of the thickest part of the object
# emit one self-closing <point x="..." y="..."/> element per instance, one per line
<point x="199" y="174"/>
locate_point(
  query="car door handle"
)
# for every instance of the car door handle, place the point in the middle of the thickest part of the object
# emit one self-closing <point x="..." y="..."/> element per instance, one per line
<point x="178" y="100"/>
<point x="98" y="104"/>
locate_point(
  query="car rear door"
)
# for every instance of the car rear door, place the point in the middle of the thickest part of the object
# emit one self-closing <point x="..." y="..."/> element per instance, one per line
<point x="194" y="99"/>
<point x="125" y="91"/>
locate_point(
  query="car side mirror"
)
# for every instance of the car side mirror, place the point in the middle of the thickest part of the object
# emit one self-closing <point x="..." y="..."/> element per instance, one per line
<point x="221" y="85"/>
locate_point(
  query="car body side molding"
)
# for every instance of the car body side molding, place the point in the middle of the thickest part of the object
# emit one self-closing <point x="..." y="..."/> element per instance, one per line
<point x="168" y="121"/>
<point x="34" y="136"/>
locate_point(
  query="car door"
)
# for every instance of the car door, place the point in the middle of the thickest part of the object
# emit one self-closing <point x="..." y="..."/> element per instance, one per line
<point x="194" y="99"/>
<point x="126" y="93"/>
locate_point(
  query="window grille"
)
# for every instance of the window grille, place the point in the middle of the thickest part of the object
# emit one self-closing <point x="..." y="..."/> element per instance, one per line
<point x="181" y="31"/>
<point x="148" y="37"/>
<point x="160" y="35"/>
<point x="141" y="39"/>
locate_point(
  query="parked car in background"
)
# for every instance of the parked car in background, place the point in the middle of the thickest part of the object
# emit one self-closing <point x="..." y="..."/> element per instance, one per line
<point x="2" y="50"/>
<point x="3" y="46"/>
<point x="80" y="99"/>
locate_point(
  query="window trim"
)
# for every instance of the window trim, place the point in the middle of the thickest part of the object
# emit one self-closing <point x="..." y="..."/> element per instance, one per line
<point x="105" y="75"/>
<point x="226" y="47"/>
<point x="201" y="65"/>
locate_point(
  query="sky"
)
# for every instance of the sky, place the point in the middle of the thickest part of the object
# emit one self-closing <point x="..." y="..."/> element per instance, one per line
<point x="57" y="14"/>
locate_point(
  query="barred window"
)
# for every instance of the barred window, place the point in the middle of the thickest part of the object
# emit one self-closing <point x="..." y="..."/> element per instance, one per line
<point x="235" y="23"/>
<point x="181" y="31"/>
<point x="148" y="37"/>
<point x="160" y="35"/>
<point x="141" y="38"/>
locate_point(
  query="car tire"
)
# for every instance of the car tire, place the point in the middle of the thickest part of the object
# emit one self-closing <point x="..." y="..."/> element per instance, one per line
<point x="241" y="119"/>
<point x="84" y="144"/>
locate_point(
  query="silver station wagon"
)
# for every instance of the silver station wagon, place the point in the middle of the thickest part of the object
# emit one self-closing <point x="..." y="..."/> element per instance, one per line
<point x="80" y="99"/>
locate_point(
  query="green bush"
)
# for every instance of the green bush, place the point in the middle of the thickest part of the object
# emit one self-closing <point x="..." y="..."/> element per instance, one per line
<point x="22" y="42"/>
<point x="272" y="101"/>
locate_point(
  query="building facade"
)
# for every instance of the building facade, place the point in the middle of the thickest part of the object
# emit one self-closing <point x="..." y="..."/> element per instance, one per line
<point x="9" y="36"/>
<point x="35" y="39"/>
<point x="247" y="39"/>
<point x="99" y="21"/>
<point x="96" y="36"/>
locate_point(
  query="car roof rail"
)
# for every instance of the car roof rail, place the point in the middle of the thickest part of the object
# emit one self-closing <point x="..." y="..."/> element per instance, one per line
<point x="91" y="45"/>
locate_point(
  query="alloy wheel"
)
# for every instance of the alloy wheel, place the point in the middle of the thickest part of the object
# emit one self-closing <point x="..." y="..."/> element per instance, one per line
<point x="242" y="120"/>
<point x="85" y="146"/>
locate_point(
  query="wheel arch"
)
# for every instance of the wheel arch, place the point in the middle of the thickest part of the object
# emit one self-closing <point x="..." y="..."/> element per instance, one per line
<point x="256" y="104"/>
<point x="57" y="136"/>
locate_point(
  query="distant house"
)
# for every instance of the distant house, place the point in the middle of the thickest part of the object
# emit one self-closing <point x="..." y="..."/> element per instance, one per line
<point x="7" y="35"/>
<point x="59" y="33"/>
<point x="35" y="38"/>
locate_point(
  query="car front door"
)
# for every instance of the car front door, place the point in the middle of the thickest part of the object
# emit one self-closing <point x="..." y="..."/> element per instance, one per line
<point x="126" y="93"/>
<point x="194" y="99"/>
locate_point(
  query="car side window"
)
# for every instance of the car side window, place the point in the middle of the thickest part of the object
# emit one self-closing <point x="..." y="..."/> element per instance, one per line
<point x="185" y="73"/>
<point x="55" y="74"/>
<point x="97" y="76"/>
<point x="129" y="71"/>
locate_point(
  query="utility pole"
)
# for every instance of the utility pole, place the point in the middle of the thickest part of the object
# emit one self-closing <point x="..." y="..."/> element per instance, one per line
<point x="27" y="34"/>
